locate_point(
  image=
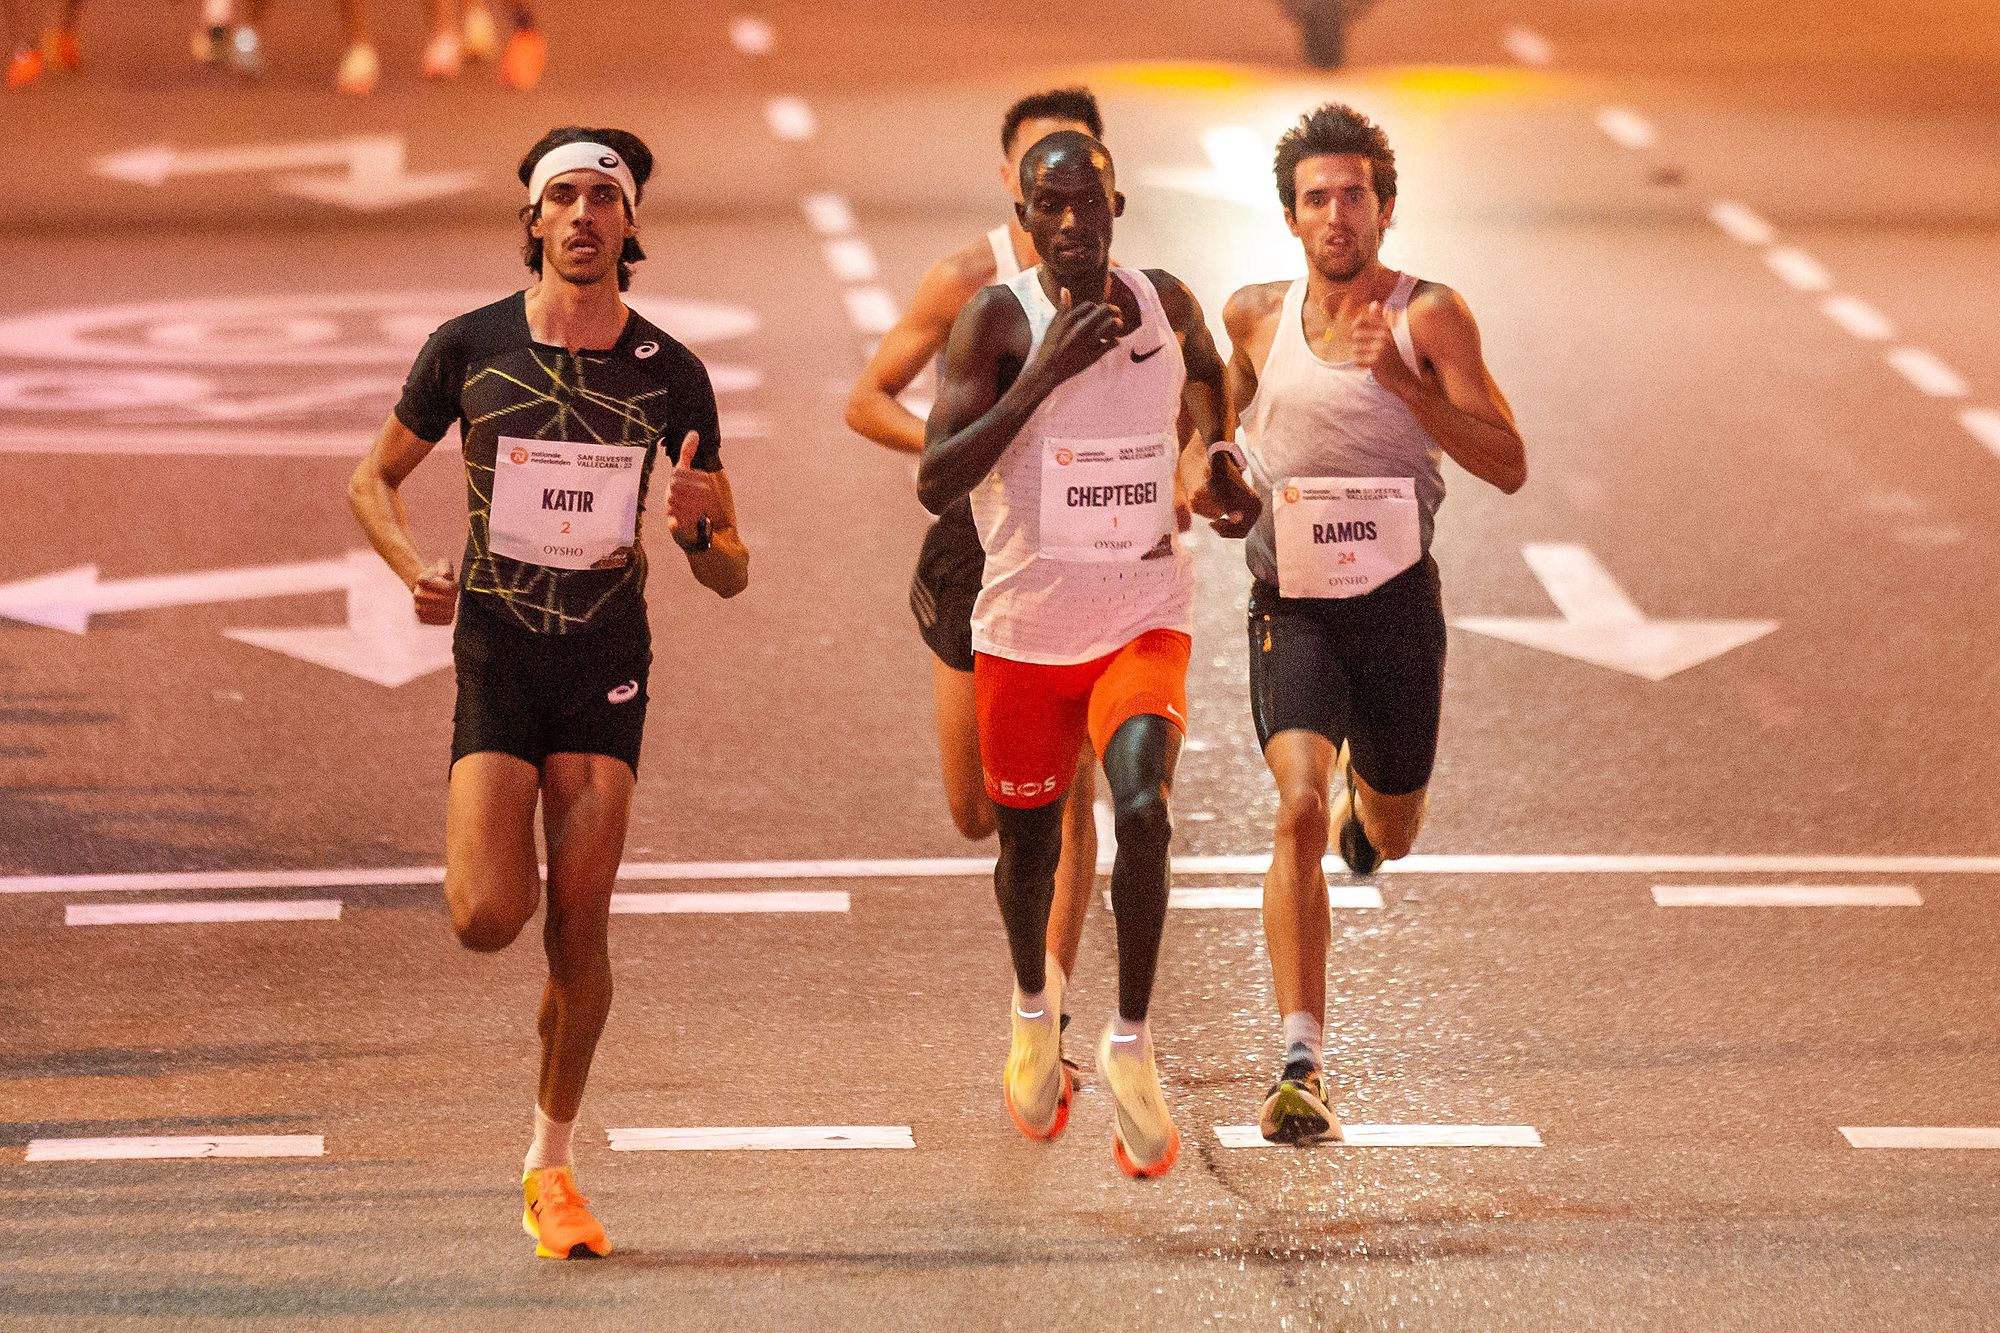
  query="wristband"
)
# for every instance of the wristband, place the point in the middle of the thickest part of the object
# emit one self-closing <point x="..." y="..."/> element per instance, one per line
<point x="1230" y="448"/>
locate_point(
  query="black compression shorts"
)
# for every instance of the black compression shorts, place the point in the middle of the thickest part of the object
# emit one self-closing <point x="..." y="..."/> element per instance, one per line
<point x="1367" y="670"/>
<point x="949" y="570"/>
<point x="533" y="695"/>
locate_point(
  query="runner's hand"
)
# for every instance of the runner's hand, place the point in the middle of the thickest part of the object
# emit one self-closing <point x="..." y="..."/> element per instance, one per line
<point x="1375" y="348"/>
<point x="1077" y="337"/>
<point x="692" y="496"/>
<point x="435" y="594"/>
<point x="1232" y="508"/>
<point x="1183" y="504"/>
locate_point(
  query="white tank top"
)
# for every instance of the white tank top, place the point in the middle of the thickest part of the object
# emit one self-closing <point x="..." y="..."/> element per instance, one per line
<point x="1006" y="268"/>
<point x="1060" y="586"/>
<point x="1314" y="418"/>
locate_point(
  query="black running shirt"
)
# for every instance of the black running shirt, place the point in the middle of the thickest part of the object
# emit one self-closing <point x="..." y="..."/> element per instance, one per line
<point x="486" y="372"/>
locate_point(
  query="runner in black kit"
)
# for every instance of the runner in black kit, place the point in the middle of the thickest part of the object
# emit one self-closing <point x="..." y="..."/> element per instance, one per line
<point x="950" y="564"/>
<point x="1351" y="383"/>
<point x="564" y="400"/>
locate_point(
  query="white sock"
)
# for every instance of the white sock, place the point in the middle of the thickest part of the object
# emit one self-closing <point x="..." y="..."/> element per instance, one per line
<point x="551" y="1145"/>
<point x="1128" y="1037"/>
<point x="1031" y="1006"/>
<point x="1303" y="1037"/>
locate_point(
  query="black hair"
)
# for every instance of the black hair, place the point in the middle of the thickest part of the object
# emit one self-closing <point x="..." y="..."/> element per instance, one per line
<point x="1077" y="104"/>
<point x="1335" y="129"/>
<point x="1063" y="144"/>
<point x="638" y="159"/>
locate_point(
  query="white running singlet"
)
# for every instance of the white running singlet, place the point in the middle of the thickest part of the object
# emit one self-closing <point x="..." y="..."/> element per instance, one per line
<point x="1316" y="421"/>
<point x="1077" y="518"/>
<point x="1006" y="268"/>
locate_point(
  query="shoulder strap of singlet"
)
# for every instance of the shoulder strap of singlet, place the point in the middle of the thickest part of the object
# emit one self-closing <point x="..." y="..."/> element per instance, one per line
<point x="1148" y="295"/>
<point x="1005" y="266"/>
<point x="1398" y="308"/>
<point x="1290" y="323"/>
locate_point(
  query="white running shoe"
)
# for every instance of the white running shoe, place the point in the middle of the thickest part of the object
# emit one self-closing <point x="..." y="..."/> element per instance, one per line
<point x="1036" y="1082"/>
<point x="1143" y="1137"/>
<point x="359" y="69"/>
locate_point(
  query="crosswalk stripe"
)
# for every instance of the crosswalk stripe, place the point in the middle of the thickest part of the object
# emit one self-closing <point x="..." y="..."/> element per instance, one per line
<point x="1786" y="895"/>
<point x="1921" y="1136"/>
<point x="782" y="900"/>
<point x="179" y="1146"/>
<point x="156" y="914"/>
<point x="760" y="1138"/>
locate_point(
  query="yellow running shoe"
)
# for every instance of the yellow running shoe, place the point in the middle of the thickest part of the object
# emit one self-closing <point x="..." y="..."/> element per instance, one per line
<point x="557" y="1215"/>
<point x="1037" y="1083"/>
<point x="1295" y="1110"/>
<point x="1143" y="1137"/>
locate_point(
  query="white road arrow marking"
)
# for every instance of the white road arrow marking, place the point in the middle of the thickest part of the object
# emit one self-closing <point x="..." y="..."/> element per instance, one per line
<point x="1600" y="625"/>
<point x="68" y="599"/>
<point x="376" y="177"/>
<point x="382" y="640"/>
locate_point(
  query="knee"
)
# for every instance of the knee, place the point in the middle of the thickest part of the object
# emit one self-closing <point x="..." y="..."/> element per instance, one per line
<point x="486" y="929"/>
<point x="1143" y="821"/>
<point x="579" y="949"/>
<point x="973" y="814"/>
<point x="1302" y="816"/>
<point x="1393" y="843"/>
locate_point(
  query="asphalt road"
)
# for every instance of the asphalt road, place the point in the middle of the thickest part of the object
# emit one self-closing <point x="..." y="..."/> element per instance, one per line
<point x="1735" y="272"/>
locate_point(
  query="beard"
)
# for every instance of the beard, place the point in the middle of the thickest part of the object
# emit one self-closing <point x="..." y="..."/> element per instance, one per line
<point x="1341" y="265"/>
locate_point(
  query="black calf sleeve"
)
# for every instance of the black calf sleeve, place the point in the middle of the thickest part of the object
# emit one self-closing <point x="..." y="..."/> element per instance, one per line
<point x="1139" y="764"/>
<point x="1024" y="880"/>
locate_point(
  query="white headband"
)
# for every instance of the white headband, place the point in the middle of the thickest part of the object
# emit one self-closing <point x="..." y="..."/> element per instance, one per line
<point x="582" y="157"/>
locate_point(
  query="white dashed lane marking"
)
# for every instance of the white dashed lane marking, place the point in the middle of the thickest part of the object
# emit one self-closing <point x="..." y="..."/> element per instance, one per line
<point x="1399" y="1136"/>
<point x="1921" y="1136"/>
<point x="790" y="119"/>
<point x="1927" y="373"/>
<point x="1627" y="127"/>
<point x="828" y="214"/>
<point x="157" y="914"/>
<point x="1741" y="223"/>
<point x="1786" y="895"/>
<point x="130" y="1149"/>
<point x="751" y="36"/>
<point x="851" y="259"/>
<point x="761" y="1138"/>
<point x="645" y="904"/>
<point x="1798" y="269"/>
<point x="1527" y="46"/>
<point x="1859" y="318"/>
<point x="1339" y="898"/>
<point x="870" y="309"/>
<point x="1983" y="423"/>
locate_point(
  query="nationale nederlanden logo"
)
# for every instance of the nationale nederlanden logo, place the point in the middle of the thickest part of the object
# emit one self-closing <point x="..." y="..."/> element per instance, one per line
<point x="519" y="456"/>
<point x="1064" y="458"/>
<point x="1291" y="495"/>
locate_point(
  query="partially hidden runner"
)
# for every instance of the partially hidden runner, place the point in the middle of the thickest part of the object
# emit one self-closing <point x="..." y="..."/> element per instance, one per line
<point x="1059" y="413"/>
<point x="947" y="577"/>
<point x="564" y="398"/>
<point x="1350" y="385"/>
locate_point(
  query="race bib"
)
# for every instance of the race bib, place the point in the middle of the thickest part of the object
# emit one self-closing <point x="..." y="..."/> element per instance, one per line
<point x="1343" y="536"/>
<point x="565" y="505"/>
<point x="1108" y="500"/>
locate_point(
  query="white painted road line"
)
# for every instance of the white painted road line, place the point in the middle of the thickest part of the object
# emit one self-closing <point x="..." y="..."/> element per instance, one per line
<point x="1786" y="895"/>
<point x="1741" y="223"/>
<point x="828" y="214"/>
<point x="1798" y="269"/>
<point x="220" y="1145"/>
<point x="790" y="119"/>
<point x="1984" y="425"/>
<point x="1858" y="318"/>
<point x="761" y="1138"/>
<point x="751" y="36"/>
<point x="1921" y="1136"/>
<point x="1927" y="373"/>
<point x="851" y="259"/>
<point x="1627" y="127"/>
<point x="1527" y="46"/>
<point x="1339" y="898"/>
<point x="160" y="914"/>
<point x="648" y="904"/>
<point x="1399" y="1136"/>
<point x="975" y="867"/>
<point x="870" y="309"/>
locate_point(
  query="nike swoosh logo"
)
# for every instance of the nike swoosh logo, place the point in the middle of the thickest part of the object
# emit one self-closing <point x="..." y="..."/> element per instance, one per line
<point x="1138" y="356"/>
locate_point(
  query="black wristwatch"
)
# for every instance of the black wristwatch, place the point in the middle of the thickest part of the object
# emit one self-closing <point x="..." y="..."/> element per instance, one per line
<point x="704" y="537"/>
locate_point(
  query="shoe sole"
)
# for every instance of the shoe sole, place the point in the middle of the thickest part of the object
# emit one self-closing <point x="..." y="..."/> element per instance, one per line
<point x="580" y="1250"/>
<point x="1148" y="1171"/>
<point x="1057" y="1124"/>
<point x="1294" y="1119"/>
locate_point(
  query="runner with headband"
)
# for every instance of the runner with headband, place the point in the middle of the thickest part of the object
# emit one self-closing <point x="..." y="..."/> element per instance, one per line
<point x="564" y="398"/>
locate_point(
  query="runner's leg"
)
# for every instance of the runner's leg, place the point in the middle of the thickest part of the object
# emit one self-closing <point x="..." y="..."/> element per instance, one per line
<point x="1391" y="822"/>
<point x="1024" y="881"/>
<point x="1296" y="921"/>
<point x="958" y="750"/>
<point x="1139" y="765"/>
<point x="1076" y="872"/>
<point x="587" y="799"/>
<point x="492" y="879"/>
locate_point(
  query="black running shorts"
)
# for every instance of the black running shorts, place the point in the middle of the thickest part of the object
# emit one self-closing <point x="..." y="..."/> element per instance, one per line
<point x="1367" y="670"/>
<point x="533" y="695"/>
<point x="946" y="584"/>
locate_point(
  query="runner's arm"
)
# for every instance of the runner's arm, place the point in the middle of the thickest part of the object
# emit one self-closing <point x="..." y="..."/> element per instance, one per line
<point x="872" y="408"/>
<point x="1214" y="481"/>
<point x="374" y="494"/>
<point x="724" y="568"/>
<point x="1463" y="409"/>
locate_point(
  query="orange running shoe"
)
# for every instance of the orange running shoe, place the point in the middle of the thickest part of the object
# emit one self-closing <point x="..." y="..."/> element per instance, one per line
<point x="24" y="68"/>
<point x="527" y="54"/>
<point x="59" y="48"/>
<point x="557" y="1215"/>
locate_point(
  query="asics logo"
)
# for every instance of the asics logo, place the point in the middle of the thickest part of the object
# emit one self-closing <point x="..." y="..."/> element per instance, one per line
<point x="1138" y="356"/>
<point x="608" y="160"/>
<point x="625" y="693"/>
<point x="645" y="349"/>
